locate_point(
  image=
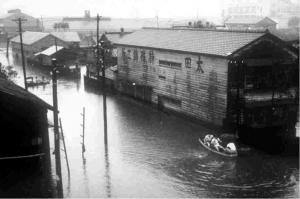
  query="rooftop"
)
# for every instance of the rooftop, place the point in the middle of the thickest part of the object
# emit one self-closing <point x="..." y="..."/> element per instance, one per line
<point x="50" y="51"/>
<point x="30" y="37"/>
<point x="212" y="42"/>
<point x="248" y="20"/>
<point x="10" y="88"/>
<point x="67" y="36"/>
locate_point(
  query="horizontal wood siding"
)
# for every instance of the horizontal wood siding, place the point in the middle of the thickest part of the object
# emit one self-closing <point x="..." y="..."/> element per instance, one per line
<point x="201" y="95"/>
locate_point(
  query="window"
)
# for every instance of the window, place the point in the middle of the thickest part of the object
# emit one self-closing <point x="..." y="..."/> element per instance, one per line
<point x="162" y="77"/>
<point x="129" y="54"/>
<point x="143" y="57"/>
<point x="135" y="55"/>
<point x="188" y="62"/>
<point x="151" y="57"/>
<point x="169" y="64"/>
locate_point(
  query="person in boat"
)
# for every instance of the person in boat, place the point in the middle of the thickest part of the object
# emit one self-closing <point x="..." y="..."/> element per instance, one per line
<point x="230" y="148"/>
<point x="215" y="143"/>
<point x="207" y="139"/>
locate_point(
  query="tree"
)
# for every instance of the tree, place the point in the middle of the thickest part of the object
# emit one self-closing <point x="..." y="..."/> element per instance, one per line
<point x="294" y="22"/>
<point x="202" y="24"/>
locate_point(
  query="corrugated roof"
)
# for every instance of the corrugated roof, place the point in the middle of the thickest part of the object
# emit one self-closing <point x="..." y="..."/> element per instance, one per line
<point x="30" y="37"/>
<point x="247" y="20"/>
<point x="67" y="36"/>
<point x="213" y="42"/>
<point x="10" y="88"/>
<point x="50" y="51"/>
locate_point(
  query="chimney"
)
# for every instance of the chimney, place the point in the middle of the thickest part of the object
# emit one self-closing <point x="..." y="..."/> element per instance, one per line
<point x="87" y="14"/>
<point x="121" y="32"/>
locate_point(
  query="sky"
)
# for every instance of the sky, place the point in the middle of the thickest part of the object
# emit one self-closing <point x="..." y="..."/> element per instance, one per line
<point x="117" y="8"/>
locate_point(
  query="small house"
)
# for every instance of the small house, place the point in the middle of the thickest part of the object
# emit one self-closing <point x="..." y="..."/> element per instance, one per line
<point x="34" y="42"/>
<point x="250" y="23"/>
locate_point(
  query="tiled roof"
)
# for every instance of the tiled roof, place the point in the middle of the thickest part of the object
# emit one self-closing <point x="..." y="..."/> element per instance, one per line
<point x="67" y="36"/>
<point x="10" y="88"/>
<point x="248" y="20"/>
<point x="213" y="42"/>
<point x="50" y="51"/>
<point x="30" y="37"/>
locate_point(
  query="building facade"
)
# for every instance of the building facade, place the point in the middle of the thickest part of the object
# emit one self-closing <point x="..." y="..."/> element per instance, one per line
<point x="279" y="10"/>
<point x="34" y="42"/>
<point x="11" y="27"/>
<point x="250" y="23"/>
<point x="194" y="72"/>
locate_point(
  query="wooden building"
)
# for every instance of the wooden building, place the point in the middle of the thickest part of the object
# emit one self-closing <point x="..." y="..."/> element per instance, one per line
<point x="23" y="120"/>
<point x="219" y="77"/>
<point x="250" y="23"/>
<point x="11" y="28"/>
<point x="24" y="144"/>
<point x="34" y="42"/>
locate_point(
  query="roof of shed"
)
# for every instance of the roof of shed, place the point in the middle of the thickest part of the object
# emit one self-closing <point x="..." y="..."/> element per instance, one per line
<point x="30" y="37"/>
<point x="12" y="89"/>
<point x="50" y="51"/>
<point x="212" y="42"/>
<point x="249" y="20"/>
<point x="67" y="36"/>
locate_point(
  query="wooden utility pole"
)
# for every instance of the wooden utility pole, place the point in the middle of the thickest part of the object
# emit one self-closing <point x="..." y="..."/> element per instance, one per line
<point x="98" y="48"/>
<point x="104" y="92"/>
<point x="7" y="45"/>
<point x="20" y="20"/>
<point x="83" y="129"/>
<point x="56" y="131"/>
<point x="65" y="149"/>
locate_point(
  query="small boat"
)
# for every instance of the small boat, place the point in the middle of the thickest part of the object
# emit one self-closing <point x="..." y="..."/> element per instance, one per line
<point x="218" y="152"/>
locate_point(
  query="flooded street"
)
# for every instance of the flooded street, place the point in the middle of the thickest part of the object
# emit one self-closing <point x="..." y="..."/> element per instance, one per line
<point x="151" y="153"/>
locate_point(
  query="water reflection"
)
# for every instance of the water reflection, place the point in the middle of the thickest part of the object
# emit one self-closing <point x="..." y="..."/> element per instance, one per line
<point x="107" y="172"/>
<point x="85" y="177"/>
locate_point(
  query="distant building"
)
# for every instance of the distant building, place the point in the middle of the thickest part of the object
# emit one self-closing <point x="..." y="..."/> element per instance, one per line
<point x="11" y="27"/>
<point x="34" y="42"/>
<point x="280" y="10"/>
<point x="250" y="23"/>
<point x="219" y="77"/>
<point x="72" y="38"/>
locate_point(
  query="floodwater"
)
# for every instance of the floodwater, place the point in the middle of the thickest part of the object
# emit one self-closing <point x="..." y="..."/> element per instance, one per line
<point x="152" y="154"/>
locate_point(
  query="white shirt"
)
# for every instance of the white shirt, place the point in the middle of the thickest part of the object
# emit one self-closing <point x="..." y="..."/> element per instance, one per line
<point x="231" y="146"/>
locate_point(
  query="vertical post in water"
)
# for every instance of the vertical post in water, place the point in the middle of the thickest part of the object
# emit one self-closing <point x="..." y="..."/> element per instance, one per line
<point x="83" y="129"/>
<point x="65" y="149"/>
<point x="104" y="92"/>
<point x="56" y="131"/>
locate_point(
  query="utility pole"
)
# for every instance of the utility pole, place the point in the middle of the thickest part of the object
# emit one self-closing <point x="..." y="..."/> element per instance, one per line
<point x="55" y="42"/>
<point x="104" y="92"/>
<point x="7" y="45"/>
<point x="98" y="49"/>
<point x="20" y="20"/>
<point x="56" y="131"/>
